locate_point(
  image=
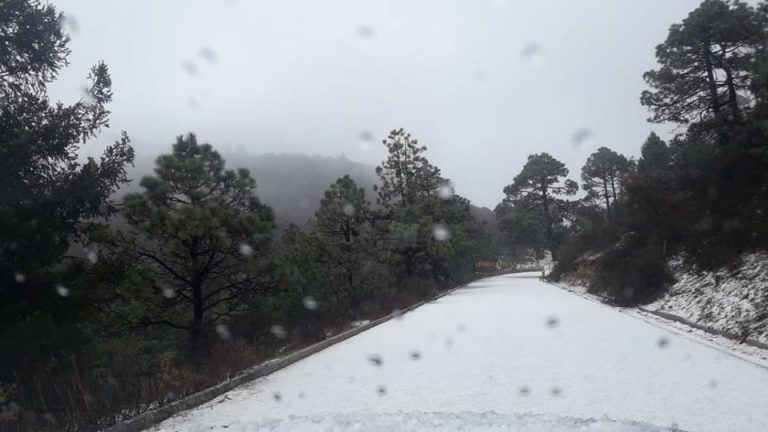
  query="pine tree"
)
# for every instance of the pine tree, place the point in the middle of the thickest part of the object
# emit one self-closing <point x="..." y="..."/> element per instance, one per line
<point x="706" y="64"/>
<point x="537" y="192"/>
<point x="604" y="175"/>
<point x="203" y="237"/>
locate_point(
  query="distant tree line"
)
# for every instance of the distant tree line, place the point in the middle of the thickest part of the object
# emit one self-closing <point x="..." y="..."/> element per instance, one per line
<point x="110" y="307"/>
<point x="703" y="194"/>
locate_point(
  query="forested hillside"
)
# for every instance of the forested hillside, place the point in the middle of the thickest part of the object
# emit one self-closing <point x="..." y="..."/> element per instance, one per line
<point x="700" y="195"/>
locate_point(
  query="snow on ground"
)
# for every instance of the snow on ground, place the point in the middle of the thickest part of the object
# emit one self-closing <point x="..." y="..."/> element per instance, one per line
<point x="439" y="422"/>
<point x="730" y="299"/>
<point x="486" y="355"/>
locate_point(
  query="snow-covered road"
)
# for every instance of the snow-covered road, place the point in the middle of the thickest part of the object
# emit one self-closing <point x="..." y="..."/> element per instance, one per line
<point x="502" y="346"/>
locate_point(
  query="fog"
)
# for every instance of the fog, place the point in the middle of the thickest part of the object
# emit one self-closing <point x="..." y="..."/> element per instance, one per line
<point x="482" y="84"/>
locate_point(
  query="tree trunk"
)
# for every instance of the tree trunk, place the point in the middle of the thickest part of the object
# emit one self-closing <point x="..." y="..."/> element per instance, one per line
<point x="714" y="99"/>
<point x="733" y="102"/>
<point x="197" y="314"/>
<point x="607" y="197"/>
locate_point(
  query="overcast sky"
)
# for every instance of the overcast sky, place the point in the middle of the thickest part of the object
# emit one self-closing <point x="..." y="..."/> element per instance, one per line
<point x="481" y="83"/>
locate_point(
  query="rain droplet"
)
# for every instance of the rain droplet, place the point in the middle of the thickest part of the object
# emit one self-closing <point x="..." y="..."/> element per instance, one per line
<point x="208" y="54"/>
<point x="449" y="342"/>
<point x="20" y="278"/>
<point x="223" y="331"/>
<point x="440" y="232"/>
<point x="524" y="391"/>
<point x="92" y="256"/>
<point x="169" y="292"/>
<point x="301" y="395"/>
<point x="366" y="32"/>
<point x="662" y="342"/>
<point x="445" y="191"/>
<point x="552" y="322"/>
<point x="712" y="384"/>
<point x="70" y="23"/>
<point x="365" y="141"/>
<point x="86" y="95"/>
<point x="245" y="249"/>
<point x="278" y="331"/>
<point x="381" y="390"/>
<point x="375" y="360"/>
<point x="555" y="391"/>
<point x="532" y="54"/>
<point x="581" y="137"/>
<point x="309" y="302"/>
<point x="415" y="355"/>
<point x="277" y="397"/>
<point x="190" y="67"/>
<point x="193" y="104"/>
<point x="349" y="209"/>
<point x="62" y="290"/>
<point x="461" y="328"/>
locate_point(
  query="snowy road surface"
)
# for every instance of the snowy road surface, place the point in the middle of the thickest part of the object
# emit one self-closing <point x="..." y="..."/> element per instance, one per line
<point x="505" y="353"/>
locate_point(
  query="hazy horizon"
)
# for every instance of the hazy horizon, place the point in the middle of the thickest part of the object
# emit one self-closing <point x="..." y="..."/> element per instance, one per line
<point x="482" y="84"/>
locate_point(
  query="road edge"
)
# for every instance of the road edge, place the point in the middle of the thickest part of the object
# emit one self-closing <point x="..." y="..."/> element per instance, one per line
<point x="151" y="418"/>
<point x="756" y="355"/>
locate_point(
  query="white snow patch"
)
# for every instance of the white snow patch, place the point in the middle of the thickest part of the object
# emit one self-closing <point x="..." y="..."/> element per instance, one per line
<point x="488" y="347"/>
<point x="732" y="299"/>
<point x="438" y="422"/>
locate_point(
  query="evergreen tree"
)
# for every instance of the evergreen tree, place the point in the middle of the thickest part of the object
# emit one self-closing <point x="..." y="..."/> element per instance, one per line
<point x="203" y="237"/>
<point x="50" y="199"/>
<point x="538" y="192"/>
<point x="604" y="175"/>
<point x="423" y="222"/>
<point x="706" y="64"/>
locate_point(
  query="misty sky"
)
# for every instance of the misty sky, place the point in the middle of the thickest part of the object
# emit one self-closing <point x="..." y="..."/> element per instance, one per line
<point x="481" y="83"/>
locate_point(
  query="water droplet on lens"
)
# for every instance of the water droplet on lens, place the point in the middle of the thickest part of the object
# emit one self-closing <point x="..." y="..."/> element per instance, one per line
<point x="582" y="137"/>
<point x="555" y="391"/>
<point x="662" y="342"/>
<point x="532" y="54"/>
<point x="445" y="191"/>
<point x="20" y="278"/>
<point x="70" y="23"/>
<point x="208" y="54"/>
<point x="86" y="95"/>
<point x="245" y="249"/>
<point x="169" y="292"/>
<point x="277" y="397"/>
<point x="193" y="104"/>
<point x="440" y="232"/>
<point x="349" y="209"/>
<point x="552" y="322"/>
<point x="278" y="331"/>
<point x="712" y="384"/>
<point x="381" y="390"/>
<point x="223" y="331"/>
<point x="309" y="302"/>
<point x="415" y="355"/>
<point x="366" y="32"/>
<point x="375" y="360"/>
<point x="524" y="391"/>
<point x="190" y="67"/>
<point x="92" y="256"/>
<point x="62" y="290"/>
<point x="365" y="141"/>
